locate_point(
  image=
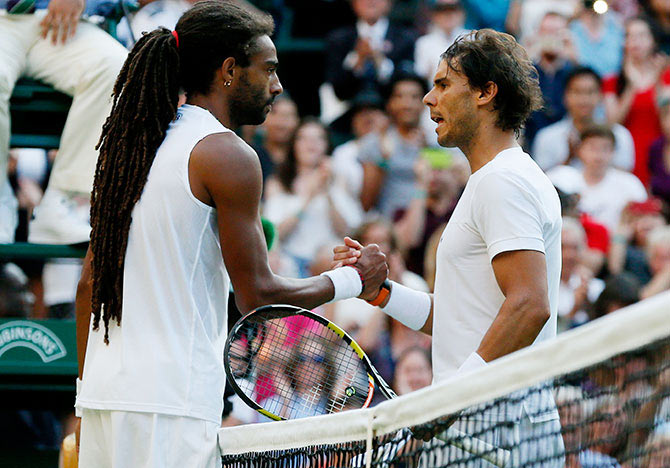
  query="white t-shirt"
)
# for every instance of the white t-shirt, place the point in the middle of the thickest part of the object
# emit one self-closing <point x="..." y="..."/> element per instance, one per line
<point x="347" y="167"/>
<point x="551" y="147"/>
<point x="605" y="200"/>
<point x="166" y="357"/>
<point x="315" y="228"/>
<point x="509" y="204"/>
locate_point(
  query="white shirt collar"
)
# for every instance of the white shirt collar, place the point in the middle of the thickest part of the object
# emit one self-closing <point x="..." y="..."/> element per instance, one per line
<point x="375" y="33"/>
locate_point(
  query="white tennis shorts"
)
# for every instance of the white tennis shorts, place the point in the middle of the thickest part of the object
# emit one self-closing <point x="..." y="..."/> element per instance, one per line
<point x="120" y="439"/>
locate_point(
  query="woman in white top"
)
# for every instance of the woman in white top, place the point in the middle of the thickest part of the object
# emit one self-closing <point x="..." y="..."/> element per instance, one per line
<point x="309" y="207"/>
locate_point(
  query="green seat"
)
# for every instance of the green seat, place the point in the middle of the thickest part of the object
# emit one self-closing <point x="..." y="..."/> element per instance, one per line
<point x="38" y="114"/>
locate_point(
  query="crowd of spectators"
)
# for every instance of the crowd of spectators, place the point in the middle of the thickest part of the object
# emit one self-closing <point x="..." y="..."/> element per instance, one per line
<point x="369" y="165"/>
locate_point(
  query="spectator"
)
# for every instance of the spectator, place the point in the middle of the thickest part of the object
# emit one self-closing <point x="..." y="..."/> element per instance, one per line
<point x="629" y="242"/>
<point x="659" y="164"/>
<point x="620" y="291"/>
<point x="555" y="145"/>
<point x="599" y="40"/>
<point x="388" y="157"/>
<point x="658" y="253"/>
<point x="304" y="201"/>
<point x="446" y="25"/>
<point x="365" y="55"/>
<point x="552" y="55"/>
<point x="524" y="16"/>
<point x="625" y="8"/>
<point x="15" y="299"/>
<point x="658" y="15"/>
<point x="490" y="14"/>
<point x="277" y="134"/>
<point x="437" y="191"/>
<point x="604" y="191"/>
<point x="605" y="437"/>
<point x="578" y="289"/>
<point x="365" y="116"/>
<point x="413" y="370"/>
<point x="79" y="59"/>
<point x="630" y="98"/>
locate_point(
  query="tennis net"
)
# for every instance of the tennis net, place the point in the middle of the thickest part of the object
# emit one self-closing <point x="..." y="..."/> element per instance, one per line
<point x="596" y="396"/>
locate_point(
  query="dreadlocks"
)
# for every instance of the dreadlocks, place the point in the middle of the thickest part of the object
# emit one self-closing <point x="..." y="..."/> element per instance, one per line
<point x="145" y="101"/>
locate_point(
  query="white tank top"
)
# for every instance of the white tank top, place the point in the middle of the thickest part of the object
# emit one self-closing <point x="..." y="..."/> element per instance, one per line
<point x="167" y="355"/>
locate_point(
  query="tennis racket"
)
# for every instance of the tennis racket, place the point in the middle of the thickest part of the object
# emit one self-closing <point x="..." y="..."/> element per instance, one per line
<point x="287" y="363"/>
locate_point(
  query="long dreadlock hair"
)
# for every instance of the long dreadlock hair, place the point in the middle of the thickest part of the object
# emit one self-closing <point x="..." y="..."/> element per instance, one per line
<point x="145" y="100"/>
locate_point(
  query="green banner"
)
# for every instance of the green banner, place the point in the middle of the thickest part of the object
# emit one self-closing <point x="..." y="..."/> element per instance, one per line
<point x="38" y="347"/>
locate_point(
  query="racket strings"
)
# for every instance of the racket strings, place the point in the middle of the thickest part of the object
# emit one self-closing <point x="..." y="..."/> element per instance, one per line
<point x="297" y="367"/>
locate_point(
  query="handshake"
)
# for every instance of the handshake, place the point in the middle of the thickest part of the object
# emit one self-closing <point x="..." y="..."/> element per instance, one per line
<point x="369" y="261"/>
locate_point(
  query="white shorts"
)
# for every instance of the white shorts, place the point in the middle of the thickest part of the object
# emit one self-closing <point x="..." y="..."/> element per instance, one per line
<point x="120" y="439"/>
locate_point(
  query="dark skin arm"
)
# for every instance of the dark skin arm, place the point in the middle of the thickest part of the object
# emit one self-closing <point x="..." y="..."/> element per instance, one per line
<point x="83" y="319"/>
<point x="83" y="310"/>
<point x="225" y="173"/>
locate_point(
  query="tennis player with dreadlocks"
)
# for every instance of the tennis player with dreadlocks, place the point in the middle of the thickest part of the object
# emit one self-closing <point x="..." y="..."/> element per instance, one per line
<point x="175" y="214"/>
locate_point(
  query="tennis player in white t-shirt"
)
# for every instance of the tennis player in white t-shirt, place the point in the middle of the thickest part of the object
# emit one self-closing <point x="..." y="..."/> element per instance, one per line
<point x="499" y="257"/>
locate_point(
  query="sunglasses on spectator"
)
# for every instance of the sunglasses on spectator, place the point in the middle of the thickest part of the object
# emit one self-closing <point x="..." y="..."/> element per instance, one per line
<point x="317" y="358"/>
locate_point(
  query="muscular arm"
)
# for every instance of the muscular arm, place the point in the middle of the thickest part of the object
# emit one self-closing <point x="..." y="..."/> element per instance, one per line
<point x="522" y="277"/>
<point x="228" y="172"/>
<point x="83" y="310"/>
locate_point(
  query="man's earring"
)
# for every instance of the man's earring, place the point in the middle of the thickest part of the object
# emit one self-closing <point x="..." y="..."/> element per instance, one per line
<point x="228" y="83"/>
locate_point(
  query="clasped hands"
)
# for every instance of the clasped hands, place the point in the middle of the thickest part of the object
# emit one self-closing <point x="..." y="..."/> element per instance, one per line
<point x="370" y="262"/>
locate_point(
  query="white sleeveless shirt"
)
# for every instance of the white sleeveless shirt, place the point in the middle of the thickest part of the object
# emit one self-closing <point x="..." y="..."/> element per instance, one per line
<point x="167" y="355"/>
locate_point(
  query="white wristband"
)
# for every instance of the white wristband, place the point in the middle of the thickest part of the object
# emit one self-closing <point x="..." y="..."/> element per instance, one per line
<point x="472" y="363"/>
<point x="408" y="306"/>
<point x="346" y="281"/>
<point x="77" y="410"/>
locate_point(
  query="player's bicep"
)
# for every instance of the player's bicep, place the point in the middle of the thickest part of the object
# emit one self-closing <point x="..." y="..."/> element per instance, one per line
<point x="521" y="273"/>
<point x="231" y="174"/>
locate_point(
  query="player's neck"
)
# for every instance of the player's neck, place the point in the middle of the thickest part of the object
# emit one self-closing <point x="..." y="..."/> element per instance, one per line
<point x="216" y="105"/>
<point x="487" y="143"/>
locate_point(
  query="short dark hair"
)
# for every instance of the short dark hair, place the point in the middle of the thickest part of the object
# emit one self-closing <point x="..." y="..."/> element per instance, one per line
<point x="400" y="77"/>
<point x="581" y="71"/>
<point x="485" y="56"/>
<point x="602" y="131"/>
<point x="622" y="289"/>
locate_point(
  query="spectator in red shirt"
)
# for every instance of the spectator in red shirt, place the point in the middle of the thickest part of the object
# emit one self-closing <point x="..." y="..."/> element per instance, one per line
<point x="630" y="98"/>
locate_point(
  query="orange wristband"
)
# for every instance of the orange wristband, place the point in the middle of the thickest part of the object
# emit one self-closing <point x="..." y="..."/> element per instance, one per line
<point x="384" y="292"/>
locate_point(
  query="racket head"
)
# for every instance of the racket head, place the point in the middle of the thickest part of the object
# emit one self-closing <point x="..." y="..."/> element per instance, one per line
<point x="286" y="363"/>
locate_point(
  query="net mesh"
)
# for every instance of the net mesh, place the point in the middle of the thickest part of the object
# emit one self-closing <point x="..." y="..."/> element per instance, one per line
<point x="598" y="396"/>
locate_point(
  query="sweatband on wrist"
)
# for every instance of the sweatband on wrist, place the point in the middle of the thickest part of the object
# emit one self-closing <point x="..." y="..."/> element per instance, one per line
<point x="472" y="363"/>
<point x="77" y="410"/>
<point x="408" y="306"/>
<point x="346" y="282"/>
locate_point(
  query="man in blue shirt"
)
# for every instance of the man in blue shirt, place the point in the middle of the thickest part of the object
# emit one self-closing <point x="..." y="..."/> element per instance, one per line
<point x="48" y="41"/>
<point x="485" y="14"/>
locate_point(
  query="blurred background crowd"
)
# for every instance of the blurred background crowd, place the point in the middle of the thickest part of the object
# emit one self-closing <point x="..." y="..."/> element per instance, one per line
<point x="349" y="149"/>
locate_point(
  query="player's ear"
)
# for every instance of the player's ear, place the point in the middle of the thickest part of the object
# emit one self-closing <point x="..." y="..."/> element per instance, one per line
<point x="228" y="70"/>
<point x="487" y="93"/>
